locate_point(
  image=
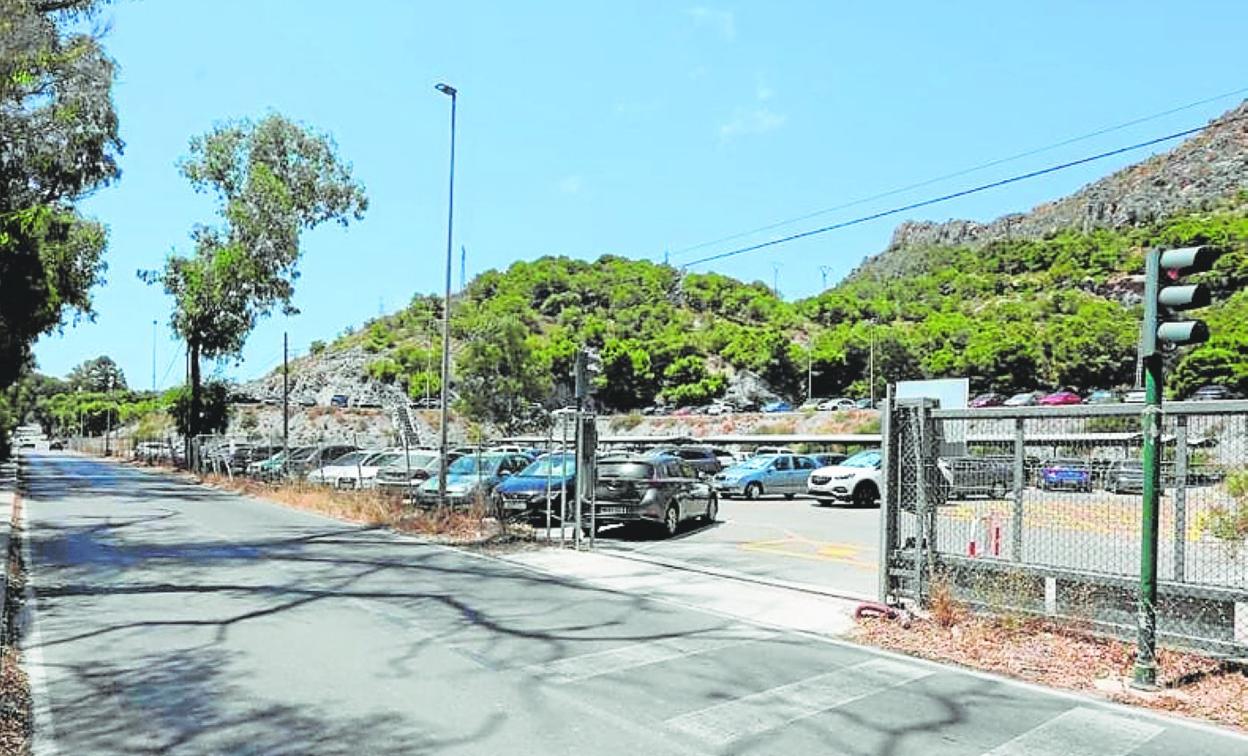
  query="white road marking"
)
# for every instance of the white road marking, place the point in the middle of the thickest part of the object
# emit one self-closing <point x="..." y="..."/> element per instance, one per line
<point x="598" y="663"/>
<point x="1081" y="732"/>
<point x="770" y="709"/>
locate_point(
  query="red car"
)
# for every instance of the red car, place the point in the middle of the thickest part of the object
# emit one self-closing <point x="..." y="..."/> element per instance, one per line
<point x="1059" y="398"/>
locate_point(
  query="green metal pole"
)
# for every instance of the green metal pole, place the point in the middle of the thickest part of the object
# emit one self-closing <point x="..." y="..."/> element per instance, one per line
<point x="1145" y="672"/>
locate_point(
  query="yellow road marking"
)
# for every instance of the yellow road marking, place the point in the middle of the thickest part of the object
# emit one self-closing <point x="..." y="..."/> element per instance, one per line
<point x="819" y="551"/>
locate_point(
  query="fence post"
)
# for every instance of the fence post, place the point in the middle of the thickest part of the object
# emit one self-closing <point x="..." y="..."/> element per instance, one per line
<point x="1020" y="486"/>
<point x="888" y="510"/>
<point x="920" y="500"/>
<point x="1180" y="498"/>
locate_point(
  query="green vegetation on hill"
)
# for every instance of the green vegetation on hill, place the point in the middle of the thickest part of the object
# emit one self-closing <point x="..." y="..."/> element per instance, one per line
<point x="1011" y="315"/>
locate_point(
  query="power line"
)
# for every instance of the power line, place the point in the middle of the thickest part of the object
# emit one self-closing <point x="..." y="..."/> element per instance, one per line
<point x="954" y="195"/>
<point x="956" y="174"/>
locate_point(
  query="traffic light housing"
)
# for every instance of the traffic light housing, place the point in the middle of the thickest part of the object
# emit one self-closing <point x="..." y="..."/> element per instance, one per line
<point x="1161" y="301"/>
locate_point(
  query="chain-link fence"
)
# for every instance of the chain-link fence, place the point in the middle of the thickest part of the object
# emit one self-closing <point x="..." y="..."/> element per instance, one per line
<point x="1039" y="510"/>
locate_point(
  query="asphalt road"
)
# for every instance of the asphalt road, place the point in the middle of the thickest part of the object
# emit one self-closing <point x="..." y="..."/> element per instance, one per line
<point x="173" y="619"/>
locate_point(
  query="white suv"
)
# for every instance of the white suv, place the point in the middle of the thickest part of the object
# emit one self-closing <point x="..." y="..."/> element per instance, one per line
<point x="856" y="480"/>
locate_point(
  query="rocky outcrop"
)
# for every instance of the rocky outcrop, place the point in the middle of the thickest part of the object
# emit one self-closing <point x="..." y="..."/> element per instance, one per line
<point x="1199" y="173"/>
<point x="316" y="379"/>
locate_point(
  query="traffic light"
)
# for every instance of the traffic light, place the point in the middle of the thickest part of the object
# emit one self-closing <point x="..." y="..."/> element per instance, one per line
<point x="1160" y="301"/>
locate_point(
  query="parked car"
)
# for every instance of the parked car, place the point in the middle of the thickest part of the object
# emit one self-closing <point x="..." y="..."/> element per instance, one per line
<point x="1126" y="476"/>
<point x="1134" y="396"/>
<point x="864" y="403"/>
<point x="766" y="474"/>
<point x="427" y="402"/>
<point x="472" y="476"/>
<point x="682" y="411"/>
<point x="856" y="480"/>
<point x="720" y="408"/>
<point x="840" y="404"/>
<point x="987" y="399"/>
<point x="314" y="457"/>
<point x="1102" y="396"/>
<point x="661" y="490"/>
<point x="771" y="450"/>
<point x="1059" y="398"/>
<point x="408" y="471"/>
<point x="701" y="458"/>
<point x="1025" y="399"/>
<point x="1071" y="474"/>
<point x="276" y="464"/>
<point x="354" y="470"/>
<point x="726" y="458"/>
<point x="827" y="459"/>
<point x="545" y="480"/>
<point x="779" y="406"/>
<point x="991" y="476"/>
<point x="811" y="404"/>
<point x="1212" y="393"/>
<point x="339" y="400"/>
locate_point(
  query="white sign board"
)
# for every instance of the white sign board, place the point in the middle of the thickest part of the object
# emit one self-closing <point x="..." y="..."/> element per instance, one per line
<point x="952" y="393"/>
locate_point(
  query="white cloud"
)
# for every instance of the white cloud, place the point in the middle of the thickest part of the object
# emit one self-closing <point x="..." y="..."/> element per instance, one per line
<point x="570" y="184"/>
<point x="745" y="121"/>
<point x="721" y="21"/>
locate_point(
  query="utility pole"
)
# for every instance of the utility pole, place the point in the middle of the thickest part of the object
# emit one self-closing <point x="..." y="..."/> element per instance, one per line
<point x="153" y="355"/>
<point x="824" y="270"/>
<point x="463" y="267"/>
<point x="451" y="92"/>
<point x="810" y="369"/>
<point x="285" y="392"/>
<point x="871" y="362"/>
<point x="775" y="279"/>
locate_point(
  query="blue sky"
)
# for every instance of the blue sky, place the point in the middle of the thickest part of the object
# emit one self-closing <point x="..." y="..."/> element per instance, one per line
<point x="622" y="128"/>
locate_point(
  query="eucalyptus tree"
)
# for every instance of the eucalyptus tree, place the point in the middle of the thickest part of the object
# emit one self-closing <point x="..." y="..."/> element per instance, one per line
<point x="58" y="143"/>
<point x="273" y="179"/>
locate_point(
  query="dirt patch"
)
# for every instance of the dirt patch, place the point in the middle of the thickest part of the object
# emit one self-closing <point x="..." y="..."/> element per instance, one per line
<point x="1044" y="652"/>
<point x="470" y="526"/>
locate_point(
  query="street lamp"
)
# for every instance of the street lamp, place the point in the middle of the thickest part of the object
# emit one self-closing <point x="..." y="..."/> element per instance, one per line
<point x="451" y="92"/>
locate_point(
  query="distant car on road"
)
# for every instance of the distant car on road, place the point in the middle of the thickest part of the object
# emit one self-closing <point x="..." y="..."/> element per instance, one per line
<point x="1212" y="393"/>
<point x="856" y="480"/>
<point x="778" y="406"/>
<point x="1102" y="396"/>
<point x="661" y="490"/>
<point x="987" y="399"/>
<point x="766" y="474"/>
<point x="1025" y="399"/>
<point x="1070" y="474"/>
<point x="1059" y="398"/>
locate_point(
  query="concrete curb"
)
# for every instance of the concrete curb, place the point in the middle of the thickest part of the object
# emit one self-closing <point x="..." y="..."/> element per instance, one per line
<point x="8" y="493"/>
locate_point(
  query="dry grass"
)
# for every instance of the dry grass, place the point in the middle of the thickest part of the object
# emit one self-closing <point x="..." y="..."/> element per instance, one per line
<point x="15" y="717"/>
<point x="472" y="525"/>
<point x="1054" y="655"/>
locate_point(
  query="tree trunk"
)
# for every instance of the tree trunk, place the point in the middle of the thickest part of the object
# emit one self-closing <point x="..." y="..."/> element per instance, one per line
<point x="193" y="422"/>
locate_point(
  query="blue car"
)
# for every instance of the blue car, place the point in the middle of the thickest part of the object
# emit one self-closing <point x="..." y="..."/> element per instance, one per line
<point x="547" y="480"/>
<point x="780" y="406"/>
<point x="472" y="478"/>
<point x="1071" y="474"/>
<point x="765" y="474"/>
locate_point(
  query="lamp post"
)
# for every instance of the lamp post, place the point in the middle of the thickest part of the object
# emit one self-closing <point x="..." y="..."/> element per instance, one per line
<point x="451" y="92"/>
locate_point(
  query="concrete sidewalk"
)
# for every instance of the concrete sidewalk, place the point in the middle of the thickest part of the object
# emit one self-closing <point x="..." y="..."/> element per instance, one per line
<point x="774" y="606"/>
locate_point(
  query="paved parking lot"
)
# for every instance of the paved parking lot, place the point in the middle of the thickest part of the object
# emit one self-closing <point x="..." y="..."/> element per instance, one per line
<point x="835" y="548"/>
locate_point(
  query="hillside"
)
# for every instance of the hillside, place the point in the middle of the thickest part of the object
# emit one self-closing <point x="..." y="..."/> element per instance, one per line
<point x="1039" y="300"/>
